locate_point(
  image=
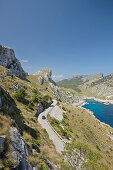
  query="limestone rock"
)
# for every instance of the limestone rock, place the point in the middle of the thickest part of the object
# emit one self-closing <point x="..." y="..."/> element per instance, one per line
<point x="8" y="60"/>
<point x="40" y="109"/>
<point x="19" y="149"/>
<point x="44" y="75"/>
<point x="2" y="143"/>
<point x="3" y="99"/>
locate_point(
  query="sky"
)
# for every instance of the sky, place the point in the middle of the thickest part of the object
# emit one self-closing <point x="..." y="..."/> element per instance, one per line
<point x="69" y="36"/>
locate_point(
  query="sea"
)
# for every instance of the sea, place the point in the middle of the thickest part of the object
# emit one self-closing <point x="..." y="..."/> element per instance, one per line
<point x="102" y="111"/>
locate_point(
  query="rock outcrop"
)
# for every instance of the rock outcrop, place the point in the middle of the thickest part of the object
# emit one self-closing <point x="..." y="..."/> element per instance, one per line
<point x="8" y="60"/>
<point x="102" y="87"/>
<point x="2" y="143"/>
<point x="64" y="95"/>
<point x="5" y="100"/>
<point x="44" y="75"/>
<point x="40" y="109"/>
<point x="19" y="150"/>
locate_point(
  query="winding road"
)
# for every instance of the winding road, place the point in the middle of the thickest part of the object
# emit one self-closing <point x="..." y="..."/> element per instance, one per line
<point x="57" y="140"/>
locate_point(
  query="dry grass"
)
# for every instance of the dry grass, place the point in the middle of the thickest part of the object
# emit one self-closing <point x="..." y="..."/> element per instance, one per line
<point x="88" y="130"/>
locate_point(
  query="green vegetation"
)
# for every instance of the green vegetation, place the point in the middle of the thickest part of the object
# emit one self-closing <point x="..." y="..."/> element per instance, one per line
<point x="91" y="157"/>
<point x="20" y="95"/>
<point x="23" y="109"/>
<point x="71" y="83"/>
<point x="64" y="132"/>
<point x="90" y="139"/>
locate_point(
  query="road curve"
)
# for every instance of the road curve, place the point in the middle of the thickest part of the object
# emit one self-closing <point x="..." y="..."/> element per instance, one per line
<point x="58" y="142"/>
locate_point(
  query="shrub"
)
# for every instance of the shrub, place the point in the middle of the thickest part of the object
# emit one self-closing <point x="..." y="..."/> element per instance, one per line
<point x="46" y="101"/>
<point x="55" y="122"/>
<point x="20" y="94"/>
<point x="34" y="91"/>
<point x="35" y="98"/>
<point x="41" y="166"/>
<point x="65" y="116"/>
<point x="30" y="106"/>
<point x="64" y="133"/>
<point x="8" y="163"/>
<point x="64" y="108"/>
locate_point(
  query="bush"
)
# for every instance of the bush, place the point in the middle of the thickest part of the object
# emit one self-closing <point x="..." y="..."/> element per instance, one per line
<point x="35" y="98"/>
<point x="64" y="133"/>
<point x="20" y="94"/>
<point x="46" y="101"/>
<point x="65" y="116"/>
<point x="41" y="166"/>
<point x="54" y="122"/>
<point x="34" y="91"/>
<point x="8" y="163"/>
<point x="64" y="108"/>
<point x="30" y="106"/>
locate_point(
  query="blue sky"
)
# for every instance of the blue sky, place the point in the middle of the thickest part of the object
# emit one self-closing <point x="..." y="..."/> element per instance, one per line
<point x="69" y="36"/>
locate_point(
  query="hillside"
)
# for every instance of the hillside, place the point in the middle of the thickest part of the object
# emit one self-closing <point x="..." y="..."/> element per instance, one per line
<point x="25" y="144"/>
<point x="102" y="88"/>
<point x="96" y="86"/>
<point x="77" y="80"/>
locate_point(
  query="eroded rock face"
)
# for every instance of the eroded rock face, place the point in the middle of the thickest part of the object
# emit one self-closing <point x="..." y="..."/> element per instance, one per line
<point x="4" y="99"/>
<point x="44" y="75"/>
<point x="2" y="143"/>
<point x="40" y="109"/>
<point x="8" y="60"/>
<point x="19" y="150"/>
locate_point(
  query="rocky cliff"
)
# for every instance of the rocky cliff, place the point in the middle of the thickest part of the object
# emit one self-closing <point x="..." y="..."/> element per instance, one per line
<point x="102" y="87"/>
<point x="85" y="78"/>
<point x="44" y="75"/>
<point x="8" y="60"/>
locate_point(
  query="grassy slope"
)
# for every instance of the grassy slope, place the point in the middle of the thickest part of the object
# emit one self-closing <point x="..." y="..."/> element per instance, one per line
<point x="82" y="127"/>
<point x="89" y="88"/>
<point x="26" y="120"/>
<point x="71" y="83"/>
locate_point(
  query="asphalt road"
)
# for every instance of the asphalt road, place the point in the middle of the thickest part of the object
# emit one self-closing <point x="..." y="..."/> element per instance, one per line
<point x="58" y="142"/>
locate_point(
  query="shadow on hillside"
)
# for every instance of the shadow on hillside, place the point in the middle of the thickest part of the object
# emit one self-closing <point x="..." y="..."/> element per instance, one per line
<point x="32" y="131"/>
<point x="9" y="107"/>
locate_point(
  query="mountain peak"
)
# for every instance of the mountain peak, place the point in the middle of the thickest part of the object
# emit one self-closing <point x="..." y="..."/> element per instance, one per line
<point x="8" y="60"/>
<point x="44" y="75"/>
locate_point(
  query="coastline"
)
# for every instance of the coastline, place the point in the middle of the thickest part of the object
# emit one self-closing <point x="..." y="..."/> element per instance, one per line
<point x="101" y="123"/>
<point x="82" y="102"/>
<point x="100" y="100"/>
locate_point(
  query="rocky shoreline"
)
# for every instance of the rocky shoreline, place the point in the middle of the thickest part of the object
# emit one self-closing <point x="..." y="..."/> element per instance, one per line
<point x="100" y="100"/>
<point x="82" y="102"/>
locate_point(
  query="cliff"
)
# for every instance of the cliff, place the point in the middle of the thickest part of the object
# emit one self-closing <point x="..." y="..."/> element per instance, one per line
<point x="8" y="60"/>
<point x="88" y="77"/>
<point x="44" y="75"/>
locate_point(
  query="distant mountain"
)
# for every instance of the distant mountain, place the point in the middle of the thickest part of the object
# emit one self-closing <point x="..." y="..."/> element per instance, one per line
<point x="102" y="87"/>
<point x="77" y="80"/>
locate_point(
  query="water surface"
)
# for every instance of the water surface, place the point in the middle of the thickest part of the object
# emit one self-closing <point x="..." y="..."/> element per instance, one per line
<point x="103" y="112"/>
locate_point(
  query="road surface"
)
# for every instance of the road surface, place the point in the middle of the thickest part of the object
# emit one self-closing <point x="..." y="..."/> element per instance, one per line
<point x="58" y="142"/>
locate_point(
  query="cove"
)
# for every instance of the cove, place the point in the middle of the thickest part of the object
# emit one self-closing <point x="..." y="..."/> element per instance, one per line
<point x="103" y="112"/>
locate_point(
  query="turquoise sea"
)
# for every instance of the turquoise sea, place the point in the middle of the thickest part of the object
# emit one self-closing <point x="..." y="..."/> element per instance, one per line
<point x="103" y="112"/>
